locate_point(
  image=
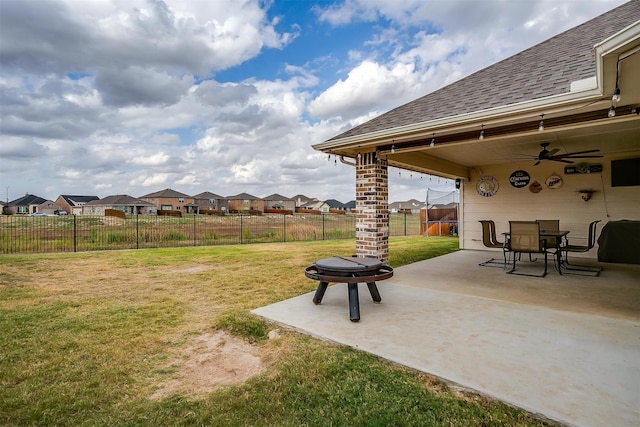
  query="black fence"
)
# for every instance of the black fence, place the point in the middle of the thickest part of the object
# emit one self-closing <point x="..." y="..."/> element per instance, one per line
<point x="71" y="233"/>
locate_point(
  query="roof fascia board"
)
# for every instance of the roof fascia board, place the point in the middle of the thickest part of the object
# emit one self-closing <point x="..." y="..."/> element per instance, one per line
<point x="457" y="123"/>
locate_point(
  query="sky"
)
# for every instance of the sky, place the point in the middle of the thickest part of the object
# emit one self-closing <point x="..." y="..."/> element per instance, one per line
<point x="104" y="97"/>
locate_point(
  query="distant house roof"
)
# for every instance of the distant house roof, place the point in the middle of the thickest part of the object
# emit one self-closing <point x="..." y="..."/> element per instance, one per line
<point x="351" y="205"/>
<point x="206" y="195"/>
<point x="75" y="200"/>
<point x="276" y="196"/>
<point x="242" y="196"/>
<point x="412" y="204"/>
<point x="334" y="204"/>
<point x="27" y="200"/>
<point x="119" y="200"/>
<point x="541" y="71"/>
<point x="167" y="193"/>
<point x="301" y="199"/>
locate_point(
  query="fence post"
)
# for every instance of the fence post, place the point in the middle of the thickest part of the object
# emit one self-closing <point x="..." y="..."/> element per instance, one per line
<point x="322" y="226"/>
<point x="194" y="229"/>
<point x="405" y="223"/>
<point x="75" y="233"/>
<point x="240" y="228"/>
<point x="137" y="233"/>
<point x="284" y="228"/>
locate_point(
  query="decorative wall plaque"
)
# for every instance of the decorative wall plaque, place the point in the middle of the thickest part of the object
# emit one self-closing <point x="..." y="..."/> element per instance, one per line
<point x="519" y="179"/>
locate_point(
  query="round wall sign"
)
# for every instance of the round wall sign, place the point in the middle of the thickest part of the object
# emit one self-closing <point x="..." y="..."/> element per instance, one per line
<point x="519" y="179"/>
<point x="554" y="181"/>
<point x="487" y="186"/>
<point x="535" y="187"/>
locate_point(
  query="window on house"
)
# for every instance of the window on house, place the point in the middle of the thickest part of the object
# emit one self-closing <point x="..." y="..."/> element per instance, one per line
<point x="181" y="199"/>
<point x="166" y="207"/>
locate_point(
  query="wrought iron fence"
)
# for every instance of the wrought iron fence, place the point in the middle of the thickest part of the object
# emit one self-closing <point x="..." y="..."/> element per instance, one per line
<point x="71" y="233"/>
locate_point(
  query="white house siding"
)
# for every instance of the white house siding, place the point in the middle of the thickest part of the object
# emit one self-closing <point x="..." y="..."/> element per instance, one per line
<point x="607" y="203"/>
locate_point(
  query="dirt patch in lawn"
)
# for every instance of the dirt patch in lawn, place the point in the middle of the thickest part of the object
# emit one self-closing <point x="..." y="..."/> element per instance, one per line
<point x="209" y="362"/>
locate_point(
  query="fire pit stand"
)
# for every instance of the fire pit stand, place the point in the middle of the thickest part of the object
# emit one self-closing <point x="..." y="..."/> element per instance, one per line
<point x="350" y="271"/>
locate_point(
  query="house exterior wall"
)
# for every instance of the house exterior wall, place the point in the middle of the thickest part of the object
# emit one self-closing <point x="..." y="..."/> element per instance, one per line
<point x="372" y="207"/>
<point x="564" y="203"/>
<point x="280" y="204"/>
<point x="244" y="205"/>
<point x="169" y="203"/>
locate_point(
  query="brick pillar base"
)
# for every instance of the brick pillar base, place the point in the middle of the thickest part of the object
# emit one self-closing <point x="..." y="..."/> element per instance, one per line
<point x="372" y="207"/>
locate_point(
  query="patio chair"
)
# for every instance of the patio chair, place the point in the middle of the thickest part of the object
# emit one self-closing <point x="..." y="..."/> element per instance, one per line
<point x="490" y="240"/>
<point x="569" y="268"/>
<point x="550" y="225"/>
<point x="524" y="237"/>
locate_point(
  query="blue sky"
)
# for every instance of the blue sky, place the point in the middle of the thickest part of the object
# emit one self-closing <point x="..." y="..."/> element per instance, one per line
<point x="134" y="96"/>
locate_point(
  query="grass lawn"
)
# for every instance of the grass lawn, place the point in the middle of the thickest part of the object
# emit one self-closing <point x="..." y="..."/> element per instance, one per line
<point x="140" y="337"/>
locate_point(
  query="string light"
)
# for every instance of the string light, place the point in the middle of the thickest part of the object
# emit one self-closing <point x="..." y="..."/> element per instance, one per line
<point x="433" y="140"/>
<point x="612" y="111"/>
<point x="541" y="125"/>
<point x="393" y="149"/>
<point x="481" y="137"/>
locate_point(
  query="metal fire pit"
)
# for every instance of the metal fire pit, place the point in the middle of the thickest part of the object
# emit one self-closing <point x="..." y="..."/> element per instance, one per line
<point x="350" y="271"/>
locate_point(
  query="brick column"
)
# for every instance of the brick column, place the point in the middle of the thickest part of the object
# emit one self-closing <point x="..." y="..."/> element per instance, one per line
<point x="372" y="207"/>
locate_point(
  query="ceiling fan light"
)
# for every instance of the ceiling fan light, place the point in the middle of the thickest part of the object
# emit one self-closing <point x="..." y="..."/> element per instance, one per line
<point x="612" y="111"/>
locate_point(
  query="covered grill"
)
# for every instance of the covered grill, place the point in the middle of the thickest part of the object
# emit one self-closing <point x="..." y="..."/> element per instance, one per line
<point x="352" y="271"/>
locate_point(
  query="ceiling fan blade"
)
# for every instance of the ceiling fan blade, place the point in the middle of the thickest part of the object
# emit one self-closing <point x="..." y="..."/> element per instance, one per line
<point x="552" y="152"/>
<point x="561" y="160"/>
<point x="579" y="152"/>
<point x="585" y="157"/>
<point x="536" y="163"/>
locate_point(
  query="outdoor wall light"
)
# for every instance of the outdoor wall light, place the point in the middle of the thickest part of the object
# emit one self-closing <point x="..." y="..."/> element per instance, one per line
<point x="586" y="194"/>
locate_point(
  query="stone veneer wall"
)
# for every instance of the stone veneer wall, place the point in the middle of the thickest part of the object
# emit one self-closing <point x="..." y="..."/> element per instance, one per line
<point x="372" y="207"/>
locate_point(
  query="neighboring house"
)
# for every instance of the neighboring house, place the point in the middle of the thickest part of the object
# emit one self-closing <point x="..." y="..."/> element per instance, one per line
<point x="301" y="199"/>
<point x="577" y="92"/>
<point x="277" y="201"/>
<point x="412" y="206"/>
<point x="26" y="204"/>
<point x="245" y="202"/>
<point x="350" y="206"/>
<point x="210" y="201"/>
<point x="171" y="200"/>
<point x="316" y="205"/>
<point x="335" y="205"/>
<point x="73" y="204"/>
<point x="120" y="202"/>
<point x="49" y="207"/>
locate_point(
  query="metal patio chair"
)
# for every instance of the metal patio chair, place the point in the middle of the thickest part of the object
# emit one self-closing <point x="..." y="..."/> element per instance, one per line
<point x="490" y="240"/>
<point x="568" y="268"/>
<point x="524" y="237"/>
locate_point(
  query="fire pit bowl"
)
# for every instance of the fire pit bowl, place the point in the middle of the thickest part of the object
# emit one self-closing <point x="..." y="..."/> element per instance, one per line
<point x="351" y="271"/>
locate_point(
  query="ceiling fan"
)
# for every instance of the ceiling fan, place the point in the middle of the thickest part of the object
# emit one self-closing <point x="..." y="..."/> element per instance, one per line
<point x="564" y="158"/>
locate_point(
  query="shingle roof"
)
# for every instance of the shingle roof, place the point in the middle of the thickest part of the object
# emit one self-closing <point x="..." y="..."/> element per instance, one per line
<point x="119" y="200"/>
<point x="73" y="200"/>
<point x="166" y="193"/>
<point x="27" y="199"/>
<point x="543" y="70"/>
<point x="207" y="195"/>
<point x="276" y="196"/>
<point x="242" y="196"/>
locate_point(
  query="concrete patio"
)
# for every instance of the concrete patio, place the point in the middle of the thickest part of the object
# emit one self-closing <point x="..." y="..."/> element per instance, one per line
<point x="565" y="347"/>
